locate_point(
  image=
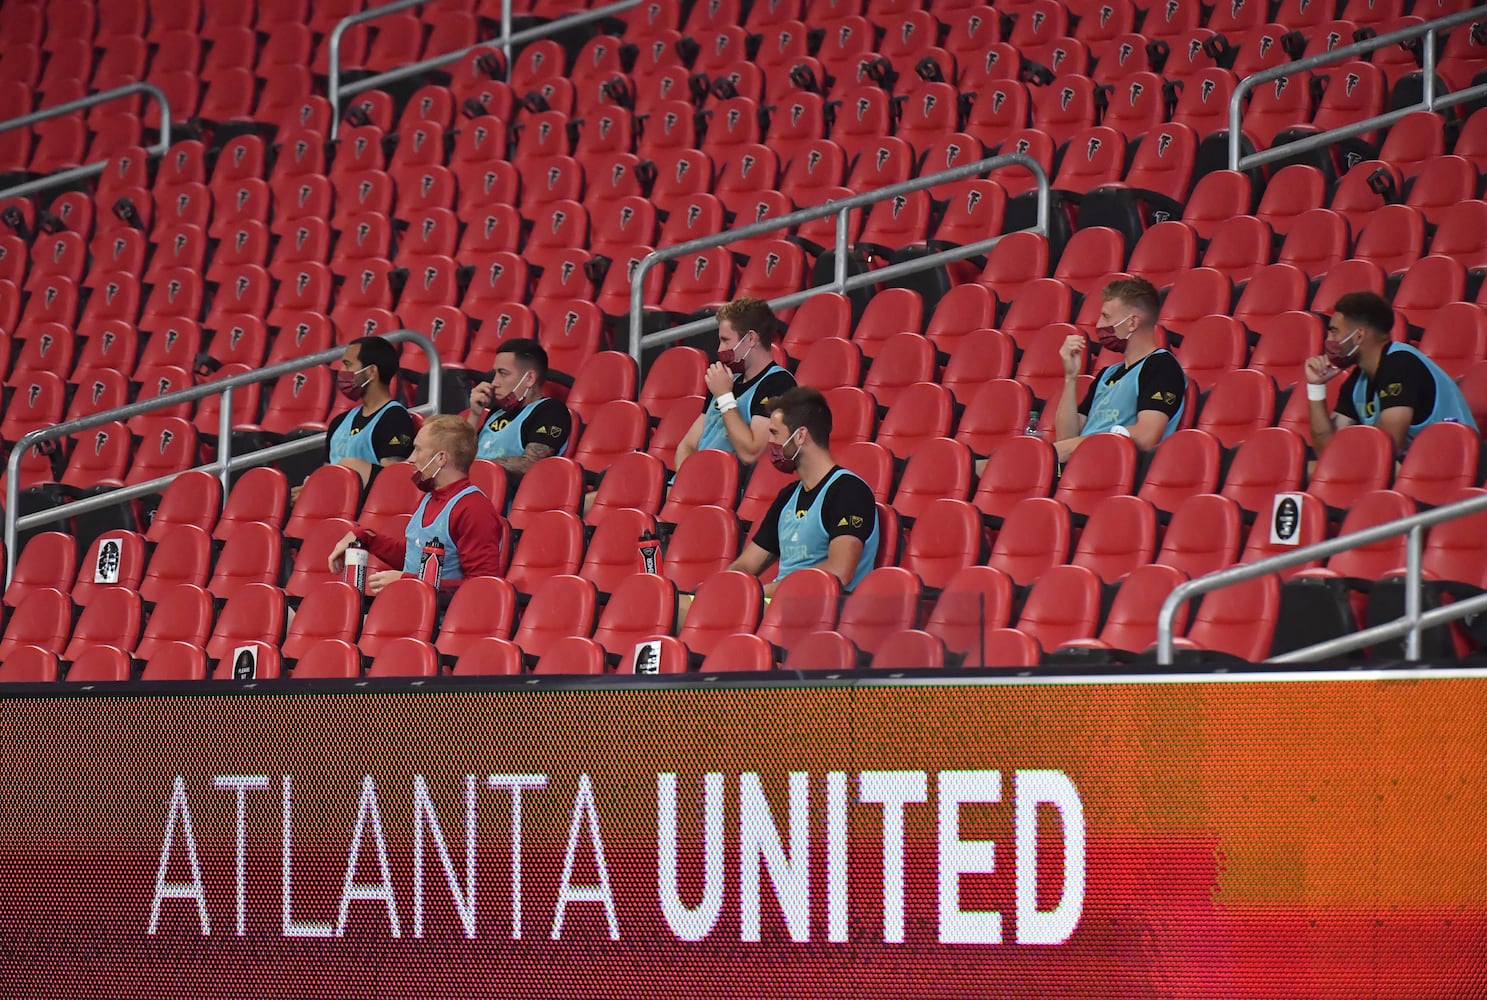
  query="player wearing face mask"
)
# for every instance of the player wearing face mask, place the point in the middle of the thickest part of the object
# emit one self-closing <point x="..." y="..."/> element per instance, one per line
<point x="379" y="430"/>
<point x="742" y="382"/>
<point x="1392" y="386"/>
<point x="473" y="536"/>
<point x="1140" y="397"/>
<point x="517" y="424"/>
<point x="827" y="519"/>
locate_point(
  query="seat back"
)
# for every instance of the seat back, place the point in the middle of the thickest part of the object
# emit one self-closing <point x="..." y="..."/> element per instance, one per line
<point x="943" y="541"/>
<point x="805" y="601"/>
<point x="404" y="608"/>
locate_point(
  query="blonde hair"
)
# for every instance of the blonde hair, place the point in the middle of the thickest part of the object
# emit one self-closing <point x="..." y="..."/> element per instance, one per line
<point x="451" y="434"/>
<point x="750" y="314"/>
<point x="1138" y="293"/>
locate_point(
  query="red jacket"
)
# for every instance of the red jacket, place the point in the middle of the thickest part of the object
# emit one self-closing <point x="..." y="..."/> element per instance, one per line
<point x="481" y="535"/>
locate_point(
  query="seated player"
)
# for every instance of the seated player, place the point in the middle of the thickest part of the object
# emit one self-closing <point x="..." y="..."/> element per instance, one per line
<point x="454" y="511"/>
<point x="1392" y="386"/>
<point x="379" y="432"/>
<point x="1141" y="397"/>
<point x="826" y="520"/>
<point x="517" y="424"/>
<point x="743" y="383"/>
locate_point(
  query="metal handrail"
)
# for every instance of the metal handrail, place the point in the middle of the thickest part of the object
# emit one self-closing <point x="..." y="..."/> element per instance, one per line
<point x="91" y="169"/>
<point x="1408" y="625"/>
<point x="1429" y="100"/>
<point x="841" y="208"/>
<point x="226" y="462"/>
<point x="336" y="90"/>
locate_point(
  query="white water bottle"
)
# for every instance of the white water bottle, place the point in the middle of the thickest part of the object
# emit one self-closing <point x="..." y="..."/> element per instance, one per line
<point x="356" y="566"/>
<point x="1032" y="423"/>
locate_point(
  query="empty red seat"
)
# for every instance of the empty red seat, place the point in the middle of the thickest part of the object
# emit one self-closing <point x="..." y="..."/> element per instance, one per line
<point x="1034" y="536"/>
<point x="42" y="619"/>
<point x="1270" y="461"/>
<point x="254" y="613"/>
<point x="101" y="664"/>
<point x="1239" y="621"/>
<point x="1121" y="535"/>
<point x="1063" y="604"/>
<point x="329" y="658"/>
<point x="29" y="665"/>
<point x="329" y="610"/>
<point x="1131" y="625"/>
<point x="1357" y="460"/>
<point x="1203" y="536"/>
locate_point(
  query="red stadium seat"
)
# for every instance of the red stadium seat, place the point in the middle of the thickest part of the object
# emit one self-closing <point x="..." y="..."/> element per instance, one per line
<point x="101" y="664"/>
<point x="1063" y="604"/>
<point x="1131" y="625"/>
<point x="330" y="610"/>
<point x="1035" y="536"/>
<point x="29" y="665"/>
<point x="1240" y="624"/>
<point x="112" y="617"/>
<point x="182" y="556"/>
<point x="1121" y="535"/>
<point x="1203" y="536"/>
<point x="255" y="613"/>
<point x="551" y="545"/>
<point x="405" y="657"/>
<point x="329" y="658"/>
<point x="48" y="561"/>
<point x="404" y="608"/>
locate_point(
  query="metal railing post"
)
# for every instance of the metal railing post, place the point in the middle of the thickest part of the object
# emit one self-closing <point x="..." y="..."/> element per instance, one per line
<point x="226" y="462"/>
<point x="1427" y="94"/>
<point x="224" y="440"/>
<point x="1412" y="594"/>
<point x="840" y="263"/>
<point x="506" y="35"/>
<point x="82" y="103"/>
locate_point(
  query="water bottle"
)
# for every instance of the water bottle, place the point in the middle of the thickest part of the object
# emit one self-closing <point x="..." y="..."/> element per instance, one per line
<point x="1033" y="416"/>
<point x="650" y="553"/>
<point x="356" y="566"/>
<point x="431" y="563"/>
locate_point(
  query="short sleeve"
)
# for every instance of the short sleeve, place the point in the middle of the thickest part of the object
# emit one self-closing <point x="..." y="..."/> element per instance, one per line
<point x="848" y="508"/>
<point x="771" y="387"/>
<point x="331" y="430"/>
<point x="392" y="436"/>
<point x="1162" y="386"/>
<point x="1089" y="393"/>
<point x="549" y="424"/>
<point x="1402" y="380"/>
<point x="1345" y="407"/>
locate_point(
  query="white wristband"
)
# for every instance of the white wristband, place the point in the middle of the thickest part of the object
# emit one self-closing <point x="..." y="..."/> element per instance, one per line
<point x="727" y="402"/>
<point x="1316" y="393"/>
<point x="1120" y="430"/>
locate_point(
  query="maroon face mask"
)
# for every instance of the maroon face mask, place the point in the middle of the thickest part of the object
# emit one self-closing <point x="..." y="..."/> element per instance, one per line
<point x="511" y="400"/>
<point x="1106" y="337"/>
<point x="351" y="385"/>
<point x="733" y="360"/>
<point x="778" y="458"/>
<point x="1344" y="353"/>
<point x="425" y="484"/>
